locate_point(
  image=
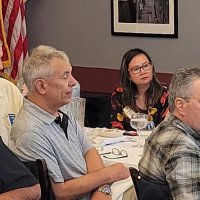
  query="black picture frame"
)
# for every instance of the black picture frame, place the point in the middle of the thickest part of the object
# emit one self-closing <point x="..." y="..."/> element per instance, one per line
<point x="144" y="18"/>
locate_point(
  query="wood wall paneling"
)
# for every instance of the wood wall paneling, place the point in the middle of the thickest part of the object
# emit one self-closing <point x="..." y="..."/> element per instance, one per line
<point x="104" y="80"/>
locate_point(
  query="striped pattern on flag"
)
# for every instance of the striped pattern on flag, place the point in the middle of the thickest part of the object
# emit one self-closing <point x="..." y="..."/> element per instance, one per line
<point x="6" y="53"/>
<point x="16" y="36"/>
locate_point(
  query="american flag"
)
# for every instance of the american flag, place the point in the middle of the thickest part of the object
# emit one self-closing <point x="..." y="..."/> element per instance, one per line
<point x="13" y="33"/>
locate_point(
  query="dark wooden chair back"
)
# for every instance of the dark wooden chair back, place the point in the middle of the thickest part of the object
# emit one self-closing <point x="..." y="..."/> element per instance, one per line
<point x="97" y="111"/>
<point x="40" y="171"/>
<point x="148" y="190"/>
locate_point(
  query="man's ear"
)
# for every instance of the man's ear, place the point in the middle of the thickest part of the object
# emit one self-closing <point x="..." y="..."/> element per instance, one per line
<point x="180" y="104"/>
<point x="41" y="86"/>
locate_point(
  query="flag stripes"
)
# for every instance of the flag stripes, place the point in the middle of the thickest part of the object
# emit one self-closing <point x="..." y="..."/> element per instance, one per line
<point x="16" y="35"/>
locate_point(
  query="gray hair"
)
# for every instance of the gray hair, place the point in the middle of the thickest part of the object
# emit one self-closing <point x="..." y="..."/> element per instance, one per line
<point x="181" y="85"/>
<point x="38" y="64"/>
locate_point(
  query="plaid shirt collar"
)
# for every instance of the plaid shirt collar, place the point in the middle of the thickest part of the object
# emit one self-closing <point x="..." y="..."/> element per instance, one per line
<point x="189" y="131"/>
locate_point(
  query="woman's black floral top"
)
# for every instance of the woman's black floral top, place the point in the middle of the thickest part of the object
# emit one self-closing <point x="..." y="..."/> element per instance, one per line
<point x="120" y="120"/>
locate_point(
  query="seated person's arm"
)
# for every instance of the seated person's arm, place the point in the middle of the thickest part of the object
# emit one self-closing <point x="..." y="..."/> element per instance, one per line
<point x="93" y="160"/>
<point x="27" y="193"/>
<point x="16" y="181"/>
<point x="97" y="175"/>
<point x="93" y="166"/>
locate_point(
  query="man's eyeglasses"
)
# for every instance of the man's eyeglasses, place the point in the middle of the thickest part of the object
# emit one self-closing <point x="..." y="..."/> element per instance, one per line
<point x="117" y="154"/>
<point x="137" y="69"/>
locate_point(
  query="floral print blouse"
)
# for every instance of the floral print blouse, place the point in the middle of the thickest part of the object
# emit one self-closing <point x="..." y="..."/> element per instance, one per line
<point x="119" y="118"/>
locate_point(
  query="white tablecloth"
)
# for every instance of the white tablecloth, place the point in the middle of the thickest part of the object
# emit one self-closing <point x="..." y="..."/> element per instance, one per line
<point x="127" y="143"/>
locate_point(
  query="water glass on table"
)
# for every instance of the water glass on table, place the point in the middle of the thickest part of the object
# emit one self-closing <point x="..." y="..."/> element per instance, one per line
<point x="77" y="107"/>
<point x="139" y="121"/>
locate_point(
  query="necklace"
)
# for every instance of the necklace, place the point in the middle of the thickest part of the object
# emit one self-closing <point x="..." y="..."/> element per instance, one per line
<point x="141" y="102"/>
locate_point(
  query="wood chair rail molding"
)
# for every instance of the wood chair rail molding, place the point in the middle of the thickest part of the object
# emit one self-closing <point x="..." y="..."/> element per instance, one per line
<point x="104" y="80"/>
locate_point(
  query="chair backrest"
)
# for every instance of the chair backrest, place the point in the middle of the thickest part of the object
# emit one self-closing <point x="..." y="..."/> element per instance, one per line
<point x="40" y="171"/>
<point x="148" y="190"/>
<point x="97" y="111"/>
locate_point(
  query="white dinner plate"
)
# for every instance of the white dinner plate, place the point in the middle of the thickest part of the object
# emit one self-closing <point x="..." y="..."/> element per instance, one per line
<point x="110" y="133"/>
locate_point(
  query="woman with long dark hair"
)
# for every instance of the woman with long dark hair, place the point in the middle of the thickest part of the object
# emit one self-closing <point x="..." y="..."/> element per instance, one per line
<point x="139" y="91"/>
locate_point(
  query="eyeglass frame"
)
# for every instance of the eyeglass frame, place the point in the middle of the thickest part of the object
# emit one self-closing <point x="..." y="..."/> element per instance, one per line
<point x="119" y="153"/>
<point x="137" y="67"/>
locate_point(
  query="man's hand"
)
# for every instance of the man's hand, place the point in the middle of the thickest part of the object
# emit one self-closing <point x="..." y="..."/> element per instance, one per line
<point x="26" y="193"/>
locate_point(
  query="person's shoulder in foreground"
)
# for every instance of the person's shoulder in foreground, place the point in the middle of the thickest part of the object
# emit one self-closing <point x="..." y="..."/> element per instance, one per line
<point x="44" y="130"/>
<point x="9" y="90"/>
<point x="10" y="104"/>
<point x="16" y="181"/>
<point x="172" y="152"/>
<point x="10" y="96"/>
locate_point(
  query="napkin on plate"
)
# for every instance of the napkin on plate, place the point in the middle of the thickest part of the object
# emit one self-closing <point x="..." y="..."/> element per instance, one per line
<point x="110" y="133"/>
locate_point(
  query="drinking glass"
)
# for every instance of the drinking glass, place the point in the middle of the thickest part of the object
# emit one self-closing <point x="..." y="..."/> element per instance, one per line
<point x="139" y="121"/>
<point x="77" y="107"/>
<point x="146" y="131"/>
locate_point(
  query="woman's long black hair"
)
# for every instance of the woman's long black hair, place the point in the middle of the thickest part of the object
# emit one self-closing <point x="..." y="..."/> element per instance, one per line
<point x="153" y="93"/>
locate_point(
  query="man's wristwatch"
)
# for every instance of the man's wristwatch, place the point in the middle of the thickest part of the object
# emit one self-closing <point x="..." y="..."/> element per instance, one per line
<point x="105" y="189"/>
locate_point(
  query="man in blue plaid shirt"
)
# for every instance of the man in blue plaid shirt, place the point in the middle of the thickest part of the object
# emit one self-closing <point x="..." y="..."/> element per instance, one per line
<point x="172" y="151"/>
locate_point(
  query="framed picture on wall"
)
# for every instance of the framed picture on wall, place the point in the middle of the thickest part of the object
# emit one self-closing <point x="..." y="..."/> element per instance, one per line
<point x="145" y="18"/>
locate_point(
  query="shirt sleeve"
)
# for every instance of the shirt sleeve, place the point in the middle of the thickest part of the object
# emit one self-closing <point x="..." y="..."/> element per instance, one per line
<point x="38" y="147"/>
<point x="85" y="144"/>
<point x="14" y="174"/>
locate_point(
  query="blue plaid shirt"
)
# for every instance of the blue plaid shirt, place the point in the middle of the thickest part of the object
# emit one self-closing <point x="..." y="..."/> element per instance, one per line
<point x="172" y="154"/>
